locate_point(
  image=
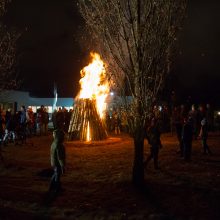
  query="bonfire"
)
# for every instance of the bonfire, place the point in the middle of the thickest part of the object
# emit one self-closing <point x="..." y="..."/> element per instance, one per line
<point x="87" y="121"/>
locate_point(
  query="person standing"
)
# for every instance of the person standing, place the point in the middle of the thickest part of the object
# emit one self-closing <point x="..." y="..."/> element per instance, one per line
<point x="204" y="135"/>
<point x="178" y="122"/>
<point x="45" y="121"/>
<point x="9" y="127"/>
<point x="210" y="117"/>
<point x="40" y="115"/>
<point x="153" y="137"/>
<point x="1" y="134"/>
<point x="187" y="136"/>
<point x="54" y="118"/>
<point x="117" y="123"/>
<point x="23" y="124"/>
<point x="194" y="115"/>
<point x="58" y="157"/>
<point x="60" y="117"/>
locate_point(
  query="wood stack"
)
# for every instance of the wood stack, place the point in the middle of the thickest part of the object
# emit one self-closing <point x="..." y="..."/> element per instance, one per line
<point x="85" y="115"/>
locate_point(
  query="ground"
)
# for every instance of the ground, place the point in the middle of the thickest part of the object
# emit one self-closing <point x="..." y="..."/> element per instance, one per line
<point x="97" y="182"/>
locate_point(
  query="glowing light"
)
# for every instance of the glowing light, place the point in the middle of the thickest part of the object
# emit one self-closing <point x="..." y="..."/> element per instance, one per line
<point x="88" y="138"/>
<point x="94" y="84"/>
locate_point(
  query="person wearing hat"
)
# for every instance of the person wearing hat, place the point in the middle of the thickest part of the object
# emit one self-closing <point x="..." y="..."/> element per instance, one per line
<point x="204" y="135"/>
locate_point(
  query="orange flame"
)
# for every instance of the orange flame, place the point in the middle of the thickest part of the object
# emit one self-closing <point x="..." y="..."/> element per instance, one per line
<point x="88" y="138"/>
<point x="94" y="84"/>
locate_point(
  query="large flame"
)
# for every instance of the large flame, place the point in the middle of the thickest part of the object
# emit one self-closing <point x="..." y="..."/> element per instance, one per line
<point x="94" y="84"/>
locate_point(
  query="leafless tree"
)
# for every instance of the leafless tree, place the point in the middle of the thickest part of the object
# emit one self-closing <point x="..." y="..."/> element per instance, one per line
<point x="136" y="38"/>
<point x="8" y="39"/>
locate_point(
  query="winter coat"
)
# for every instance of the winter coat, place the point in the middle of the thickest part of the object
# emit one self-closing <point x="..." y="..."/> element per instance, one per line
<point x="8" y="117"/>
<point x="153" y="137"/>
<point x="23" y="117"/>
<point x="57" y="151"/>
<point x="187" y="132"/>
<point x="1" y="125"/>
<point x="45" y="117"/>
<point x="204" y="129"/>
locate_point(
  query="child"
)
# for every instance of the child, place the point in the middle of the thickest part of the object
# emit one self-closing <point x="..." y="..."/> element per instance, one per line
<point x="57" y="155"/>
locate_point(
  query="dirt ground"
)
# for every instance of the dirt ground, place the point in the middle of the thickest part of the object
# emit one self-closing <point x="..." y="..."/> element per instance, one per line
<point x="97" y="182"/>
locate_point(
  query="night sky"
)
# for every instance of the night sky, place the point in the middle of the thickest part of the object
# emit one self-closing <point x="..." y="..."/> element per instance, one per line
<point x="50" y="49"/>
<point x="198" y="64"/>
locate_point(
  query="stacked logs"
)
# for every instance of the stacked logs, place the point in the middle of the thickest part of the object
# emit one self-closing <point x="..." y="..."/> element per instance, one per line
<point x="84" y="117"/>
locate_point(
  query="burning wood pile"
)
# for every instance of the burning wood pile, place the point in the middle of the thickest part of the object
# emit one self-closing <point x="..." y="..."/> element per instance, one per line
<point x="86" y="123"/>
<point x="87" y="117"/>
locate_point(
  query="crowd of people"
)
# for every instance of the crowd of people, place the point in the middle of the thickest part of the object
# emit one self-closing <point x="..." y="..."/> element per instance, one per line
<point x="188" y="124"/>
<point x="15" y="127"/>
<point x="191" y="125"/>
<point x="169" y="118"/>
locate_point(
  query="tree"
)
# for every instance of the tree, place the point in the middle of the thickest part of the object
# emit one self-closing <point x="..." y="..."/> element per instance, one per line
<point x="8" y="39"/>
<point x="136" y="38"/>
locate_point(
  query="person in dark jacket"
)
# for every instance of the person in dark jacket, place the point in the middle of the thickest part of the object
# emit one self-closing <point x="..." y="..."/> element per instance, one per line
<point x="178" y="122"/>
<point x="45" y="121"/>
<point x="187" y="136"/>
<point x="153" y="137"/>
<point x="23" y="124"/>
<point x="40" y="120"/>
<point x="54" y="118"/>
<point x="2" y="121"/>
<point x="57" y="156"/>
<point x="60" y="118"/>
<point x="204" y="135"/>
<point x="9" y="127"/>
<point x="1" y="134"/>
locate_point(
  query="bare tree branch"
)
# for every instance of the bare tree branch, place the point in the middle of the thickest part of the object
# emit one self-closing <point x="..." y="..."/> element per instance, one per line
<point x="8" y="40"/>
<point x="136" y="38"/>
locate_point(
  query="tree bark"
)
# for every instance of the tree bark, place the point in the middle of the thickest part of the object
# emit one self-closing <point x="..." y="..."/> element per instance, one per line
<point x="138" y="167"/>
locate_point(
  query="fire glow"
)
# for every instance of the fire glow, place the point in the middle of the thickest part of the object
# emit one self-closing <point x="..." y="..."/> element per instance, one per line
<point x="88" y="113"/>
<point x="93" y="83"/>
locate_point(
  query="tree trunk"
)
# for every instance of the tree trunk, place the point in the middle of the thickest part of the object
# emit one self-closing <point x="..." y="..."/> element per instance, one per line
<point x="138" y="167"/>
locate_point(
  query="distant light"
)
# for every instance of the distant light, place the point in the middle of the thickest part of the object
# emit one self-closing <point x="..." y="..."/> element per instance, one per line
<point x="218" y="113"/>
<point x="111" y="93"/>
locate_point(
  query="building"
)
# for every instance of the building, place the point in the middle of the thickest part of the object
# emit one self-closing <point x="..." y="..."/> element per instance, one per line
<point x="15" y="99"/>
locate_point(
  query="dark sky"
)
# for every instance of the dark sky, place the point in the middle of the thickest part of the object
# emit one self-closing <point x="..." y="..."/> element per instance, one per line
<point x="50" y="49"/>
<point x="198" y="64"/>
